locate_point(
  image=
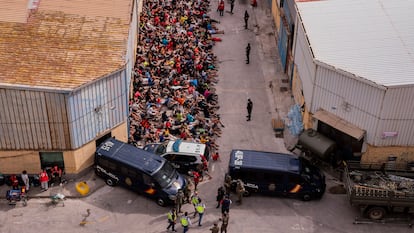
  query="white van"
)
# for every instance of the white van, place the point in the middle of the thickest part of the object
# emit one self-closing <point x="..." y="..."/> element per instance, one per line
<point x="183" y="155"/>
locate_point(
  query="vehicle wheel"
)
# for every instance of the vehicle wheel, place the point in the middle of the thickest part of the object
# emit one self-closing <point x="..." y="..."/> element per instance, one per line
<point x="376" y="213"/>
<point x="24" y="202"/>
<point x="110" y="182"/>
<point x="160" y="202"/>
<point x="306" y="197"/>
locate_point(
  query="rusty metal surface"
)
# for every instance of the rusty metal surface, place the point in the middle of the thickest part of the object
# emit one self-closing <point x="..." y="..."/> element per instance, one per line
<point x="64" y="49"/>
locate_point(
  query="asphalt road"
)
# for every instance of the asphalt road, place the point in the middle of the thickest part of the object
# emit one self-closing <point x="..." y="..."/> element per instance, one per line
<point x="113" y="210"/>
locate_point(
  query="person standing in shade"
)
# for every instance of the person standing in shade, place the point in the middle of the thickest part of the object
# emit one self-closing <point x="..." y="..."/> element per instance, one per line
<point x="25" y="179"/>
<point x="246" y="19"/>
<point x="248" y="53"/>
<point x="231" y="6"/>
<point x="227" y="183"/>
<point x="185" y="222"/>
<point x="220" y="196"/>
<point x="44" y="180"/>
<point x="172" y="218"/>
<point x="240" y="191"/>
<point x="249" y="109"/>
<point x="179" y="200"/>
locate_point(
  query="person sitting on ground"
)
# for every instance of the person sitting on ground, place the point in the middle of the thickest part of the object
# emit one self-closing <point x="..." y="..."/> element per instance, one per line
<point x="56" y="172"/>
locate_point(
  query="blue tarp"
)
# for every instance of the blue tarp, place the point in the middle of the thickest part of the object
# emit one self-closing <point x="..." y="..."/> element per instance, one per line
<point x="296" y="123"/>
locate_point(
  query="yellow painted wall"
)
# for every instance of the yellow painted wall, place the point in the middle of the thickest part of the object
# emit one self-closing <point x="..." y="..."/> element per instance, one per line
<point x="17" y="161"/>
<point x="276" y="15"/>
<point x="75" y="161"/>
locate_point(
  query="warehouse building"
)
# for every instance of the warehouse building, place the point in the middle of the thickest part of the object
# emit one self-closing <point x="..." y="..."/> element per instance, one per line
<point x="353" y="75"/>
<point x="64" y="81"/>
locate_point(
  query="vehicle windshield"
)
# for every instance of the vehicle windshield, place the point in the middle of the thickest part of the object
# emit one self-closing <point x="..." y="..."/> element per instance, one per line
<point x="307" y="170"/>
<point x="165" y="175"/>
<point x="161" y="149"/>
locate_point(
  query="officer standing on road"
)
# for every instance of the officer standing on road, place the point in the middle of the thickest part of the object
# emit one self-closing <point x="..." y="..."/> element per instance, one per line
<point x="195" y="200"/>
<point x="246" y="18"/>
<point x="240" y="191"/>
<point x="224" y="222"/>
<point x="179" y="200"/>
<point x="185" y="222"/>
<point x="249" y="109"/>
<point x="231" y="6"/>
<point x="248" y="53"/>
<point x="200" y="210"/>
<point x="172" y="218"/>
<point x="227" y="184"/>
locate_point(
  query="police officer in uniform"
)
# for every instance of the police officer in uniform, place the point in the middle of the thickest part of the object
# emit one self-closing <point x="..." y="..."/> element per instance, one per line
<point x="200" y="210"/>
<point x="179" y="200"/>
<point x="172" y="218"/>
<point x="246" y="18"/>
<point x="185" y="222"/>
<point x="224" y="222"/>
<point x="195" y="200"/>
<point x="249" y="109"/>
<point x="248" y="53"/>
<point x="227" y="184"/>
<point x="215" y="228"/>
<point x="240" y="191"/>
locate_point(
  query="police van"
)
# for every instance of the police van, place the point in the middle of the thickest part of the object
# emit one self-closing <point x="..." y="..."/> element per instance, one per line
<point x="184" y="156"/>
<point x="276" y="174"/>
<point x="123" y="164"/>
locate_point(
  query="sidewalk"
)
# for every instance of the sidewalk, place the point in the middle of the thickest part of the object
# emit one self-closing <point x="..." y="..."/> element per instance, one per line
<point x="279" y="91"/>
<point x="69" y="189"/>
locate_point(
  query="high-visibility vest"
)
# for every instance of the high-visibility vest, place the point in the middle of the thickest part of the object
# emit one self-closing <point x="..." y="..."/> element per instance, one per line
<point x="171" y="216"/>
<point x="194" y="200"/>
<point x="184" y="221"/>
<point x="200" y="208"/>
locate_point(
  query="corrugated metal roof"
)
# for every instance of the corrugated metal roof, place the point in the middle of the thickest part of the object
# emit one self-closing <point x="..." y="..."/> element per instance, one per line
<point x="63" y="44"/>
<point x="13" y="11"/>
<point x="372" y="39"/>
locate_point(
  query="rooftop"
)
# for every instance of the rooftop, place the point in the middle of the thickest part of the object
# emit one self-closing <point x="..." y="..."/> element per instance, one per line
<point x="372" y="39"/>
<point x="60" y="44"/>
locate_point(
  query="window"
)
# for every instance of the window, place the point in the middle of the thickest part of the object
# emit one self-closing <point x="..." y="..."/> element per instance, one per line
<point x="185" y="159"/>
<point x="50" y="159"/>
<point x="147" y="179"/>
<point x="107" y="164"/>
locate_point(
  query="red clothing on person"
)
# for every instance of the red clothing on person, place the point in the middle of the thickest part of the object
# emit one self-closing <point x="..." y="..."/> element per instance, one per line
<point x="196" y="177"/>
<point x="221" y="6"/>
<point x="43" y="177"/>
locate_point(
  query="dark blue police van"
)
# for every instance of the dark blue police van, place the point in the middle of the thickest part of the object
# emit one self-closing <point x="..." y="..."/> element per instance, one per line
<point x="141" y="171"/>
<point x="276" y="174"/>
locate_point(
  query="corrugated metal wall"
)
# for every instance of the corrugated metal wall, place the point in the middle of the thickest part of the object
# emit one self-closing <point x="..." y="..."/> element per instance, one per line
<point x="132" y="43"/>
<point x="33" y="120"/>
<point x="304" y="63"/>
<point x="397" y="116"/>
<point x="97" y="108"/>
<point x="349" y="99"/>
